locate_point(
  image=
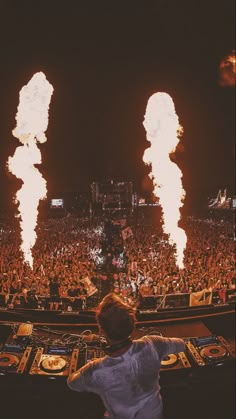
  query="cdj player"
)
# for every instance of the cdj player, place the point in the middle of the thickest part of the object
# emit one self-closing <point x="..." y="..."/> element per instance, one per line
<point x="55" y="361"/>
<point x="210" y="350"/>
<point x="175" y="361"/>
<point x="14" y="358"/>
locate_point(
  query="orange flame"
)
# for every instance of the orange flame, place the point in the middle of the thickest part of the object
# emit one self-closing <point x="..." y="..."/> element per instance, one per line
<point x="228" y="70"/>
<point x="32" y="122"/>
<point x="163" y="131"/>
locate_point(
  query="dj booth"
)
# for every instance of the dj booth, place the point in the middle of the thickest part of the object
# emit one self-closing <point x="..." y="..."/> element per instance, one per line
<point x="35" y="362"/>
<point x="33" y="350"/>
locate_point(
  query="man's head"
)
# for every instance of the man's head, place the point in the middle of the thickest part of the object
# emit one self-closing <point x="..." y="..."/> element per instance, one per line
<point x="115" y="318"/>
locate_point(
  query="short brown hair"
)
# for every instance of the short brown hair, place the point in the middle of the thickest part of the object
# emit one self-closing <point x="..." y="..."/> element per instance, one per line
<point x="115" y="317"/>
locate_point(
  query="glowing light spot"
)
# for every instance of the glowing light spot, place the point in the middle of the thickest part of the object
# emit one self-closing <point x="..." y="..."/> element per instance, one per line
<point x="227" y="70"/>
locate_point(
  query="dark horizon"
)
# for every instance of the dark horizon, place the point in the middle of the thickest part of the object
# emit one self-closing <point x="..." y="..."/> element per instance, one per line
<point x="104" y="62"/>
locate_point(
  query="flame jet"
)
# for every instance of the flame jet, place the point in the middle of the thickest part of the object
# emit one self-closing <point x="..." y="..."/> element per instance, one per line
<point x="163" y="130"/>
<point x="227" y="70"/>
<point x="31" y="124"/>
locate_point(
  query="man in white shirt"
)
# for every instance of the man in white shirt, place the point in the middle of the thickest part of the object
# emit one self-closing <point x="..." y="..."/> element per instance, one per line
<point x="127" y="378"/>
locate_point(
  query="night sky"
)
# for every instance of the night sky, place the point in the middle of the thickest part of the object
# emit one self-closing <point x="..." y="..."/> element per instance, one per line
<point x="104" y="60"/>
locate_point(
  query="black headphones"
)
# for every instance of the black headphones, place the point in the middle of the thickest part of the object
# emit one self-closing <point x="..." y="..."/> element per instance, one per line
<point x="117" y="346"/>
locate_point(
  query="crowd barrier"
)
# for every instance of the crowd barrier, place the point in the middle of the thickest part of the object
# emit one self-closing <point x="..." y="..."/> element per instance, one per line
<point x="187" y="300"/>
<point x="47" y="303"/>
<point x="144" y="302"/>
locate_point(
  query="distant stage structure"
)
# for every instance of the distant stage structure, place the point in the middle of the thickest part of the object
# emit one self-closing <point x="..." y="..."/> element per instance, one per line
<point x="111" y="195"/>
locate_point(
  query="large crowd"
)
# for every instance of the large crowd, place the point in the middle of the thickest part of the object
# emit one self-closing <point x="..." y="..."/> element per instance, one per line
<point x="73" y="269"/>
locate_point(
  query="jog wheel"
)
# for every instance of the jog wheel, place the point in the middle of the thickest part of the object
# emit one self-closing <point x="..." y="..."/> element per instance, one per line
<point x="214" y="352"/>
<point x="8" y="360"/>
<point x="169" y="361"/>
<point x="53" y="364"/>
